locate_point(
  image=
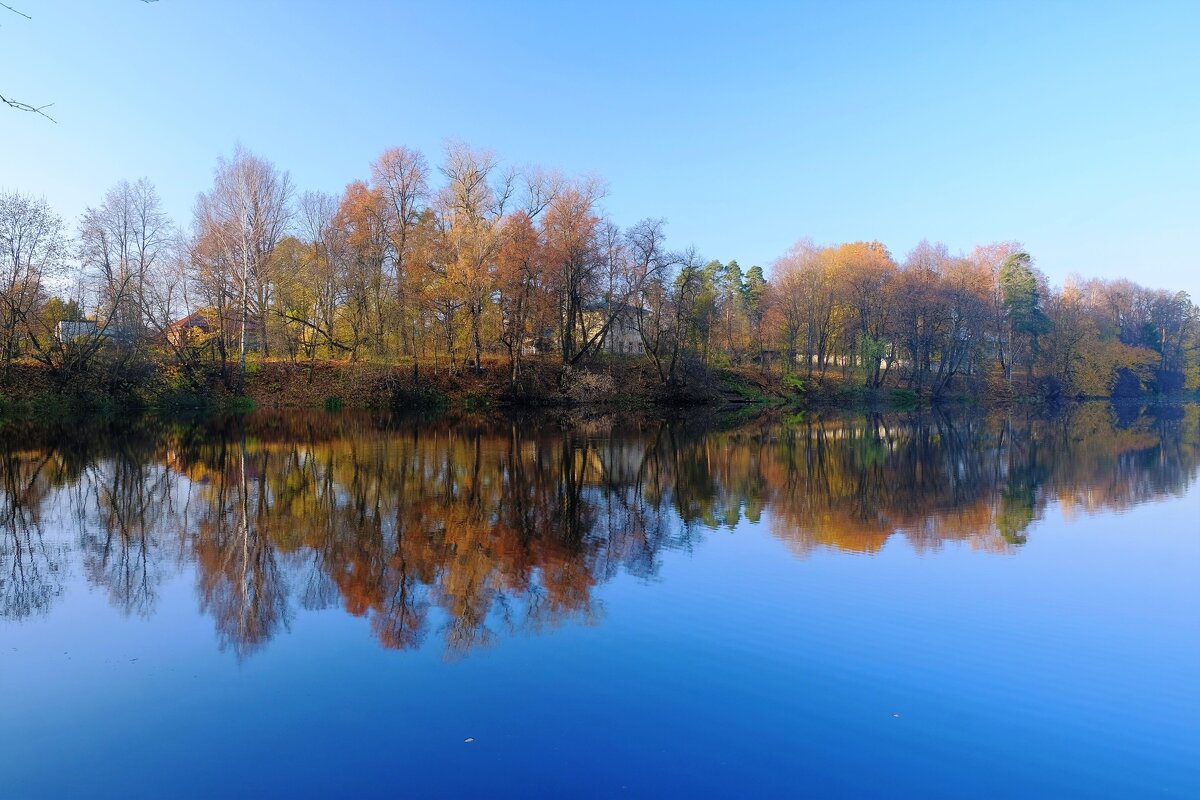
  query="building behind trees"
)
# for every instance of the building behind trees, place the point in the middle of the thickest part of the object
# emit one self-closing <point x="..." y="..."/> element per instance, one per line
<point x="466" y="264"/>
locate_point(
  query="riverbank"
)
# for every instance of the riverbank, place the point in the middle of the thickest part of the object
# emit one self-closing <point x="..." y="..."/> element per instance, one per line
<point x="33" y="391"/>
<point x="284" y="384"/>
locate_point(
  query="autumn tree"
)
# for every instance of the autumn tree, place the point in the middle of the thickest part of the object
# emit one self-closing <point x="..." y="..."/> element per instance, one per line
<point x="922" y="318"/>
<point x="1068" y="327"/>
<point x="570" y="226"/>
<point x="525" y="304"/>
<point x="361" y="227"/>
<point x="472" y="206"/>
<point x="964" y="290"/>
<point x="866" y="273"/>
<point x="791" y="302"/>
<point x="400" y="176"/>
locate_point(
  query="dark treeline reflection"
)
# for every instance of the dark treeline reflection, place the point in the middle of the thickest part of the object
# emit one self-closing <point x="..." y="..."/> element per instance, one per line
<point x="462" y="528"/>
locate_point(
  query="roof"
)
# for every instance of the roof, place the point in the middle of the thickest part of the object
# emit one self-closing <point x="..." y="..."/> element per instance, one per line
<point x="604" y="305"/>
<point x="193" y="320"/>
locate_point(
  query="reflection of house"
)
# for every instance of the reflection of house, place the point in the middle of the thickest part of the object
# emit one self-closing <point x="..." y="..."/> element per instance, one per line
<point x="622" y="335"/>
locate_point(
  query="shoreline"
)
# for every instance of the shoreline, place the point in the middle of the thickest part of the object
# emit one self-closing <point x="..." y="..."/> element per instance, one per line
<point x="620" y="385"/>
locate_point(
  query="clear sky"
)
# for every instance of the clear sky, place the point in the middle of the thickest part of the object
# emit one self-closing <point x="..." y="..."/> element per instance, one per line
<point x="1072" y="127"/>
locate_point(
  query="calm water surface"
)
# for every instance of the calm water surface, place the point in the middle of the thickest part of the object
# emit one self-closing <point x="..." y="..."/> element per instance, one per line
<point x="317" y="605"/>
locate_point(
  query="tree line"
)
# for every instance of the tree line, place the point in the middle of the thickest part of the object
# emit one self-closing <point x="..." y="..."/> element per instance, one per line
<point x="935" y="318"/>
<point x="471" y="261"/>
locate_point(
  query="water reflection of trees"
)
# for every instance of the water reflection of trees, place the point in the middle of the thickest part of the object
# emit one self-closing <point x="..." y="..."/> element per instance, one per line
<point x="122" y="510"/>
<point x="982" y="480"/>
<point x="467" y="528"/>
<point x="30" y="566"/>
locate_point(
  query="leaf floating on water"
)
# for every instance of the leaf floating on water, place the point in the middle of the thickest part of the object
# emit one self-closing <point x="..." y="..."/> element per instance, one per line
<point x="895" y="716"/>
<point x="469" y="739"/>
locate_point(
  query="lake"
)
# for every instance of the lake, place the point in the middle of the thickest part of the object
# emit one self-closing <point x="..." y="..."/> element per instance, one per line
<point x="312" y="604"/>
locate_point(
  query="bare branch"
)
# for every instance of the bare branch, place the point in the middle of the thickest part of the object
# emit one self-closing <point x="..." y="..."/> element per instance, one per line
<point x="19" y="106"/>
<point x="13" y="10"/>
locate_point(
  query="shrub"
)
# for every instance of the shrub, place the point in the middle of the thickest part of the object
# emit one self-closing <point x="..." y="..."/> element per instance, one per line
<point x="425" y="398"/>
<point x="476" y="402"/>
<point x="242" y="404"/>
<point x="583" y="386"/>
<point x="1049" y="388"/>
<point x="1126" y="384"/>
<point x="905" y="399"/>
<point x="794" y="383"/>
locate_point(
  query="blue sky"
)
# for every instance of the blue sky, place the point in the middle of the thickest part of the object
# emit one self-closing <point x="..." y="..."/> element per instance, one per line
<point x="1072" y="127"/>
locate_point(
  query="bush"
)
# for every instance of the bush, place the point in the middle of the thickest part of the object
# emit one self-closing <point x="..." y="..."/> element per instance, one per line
<point x="176" y="399"/>
<point x="1049" y="388"/>
<point x="1126" y="384"/>
<point x="474" y="403"/>
<point x="423" y="399"/>
<point x="583" y="386"/>
<point x="242" y="404"/>
<point x="794" y="383"/>
<point x="904" y="399"/>
<point x="333" y="403"/>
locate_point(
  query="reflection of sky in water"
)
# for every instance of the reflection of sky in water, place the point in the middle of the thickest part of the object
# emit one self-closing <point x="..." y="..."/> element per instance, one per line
<point x="628" y="602"/>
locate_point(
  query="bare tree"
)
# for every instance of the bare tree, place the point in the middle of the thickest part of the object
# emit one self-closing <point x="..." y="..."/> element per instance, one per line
<point x="668" y="305"/>
<point x="169" y="294"/>
<point x="32" y="248"/>
<point x="122" y="240"/>
<point x="246" y="214"/>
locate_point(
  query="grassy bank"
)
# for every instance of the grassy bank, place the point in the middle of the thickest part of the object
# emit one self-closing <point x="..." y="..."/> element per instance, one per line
<point x="32" y="392"/>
